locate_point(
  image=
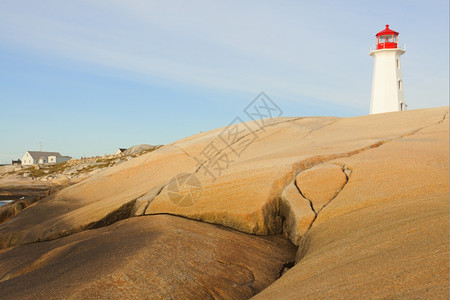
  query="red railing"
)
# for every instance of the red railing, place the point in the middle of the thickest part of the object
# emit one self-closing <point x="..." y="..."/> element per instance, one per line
<point x="387" y="45"/>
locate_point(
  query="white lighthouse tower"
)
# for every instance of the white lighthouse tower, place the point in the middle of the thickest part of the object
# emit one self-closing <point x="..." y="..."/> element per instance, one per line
<point x="387" y="84"/>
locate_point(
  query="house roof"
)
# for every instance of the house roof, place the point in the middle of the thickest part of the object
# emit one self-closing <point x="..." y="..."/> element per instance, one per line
<point x="39" y="154"/>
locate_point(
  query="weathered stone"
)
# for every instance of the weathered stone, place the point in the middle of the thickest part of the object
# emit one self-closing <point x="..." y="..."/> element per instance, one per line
<point x="321" y="184"/>
<point x="138" y="149"/>
<point x="147" y="257"/>
<point x="297" y="212"/>
<point x="386" y="234"/>
<point x="24" y="192"/>
<point x="94" y="199"/>
<point x="243" y="194"/>
<point x="392" y="212"/>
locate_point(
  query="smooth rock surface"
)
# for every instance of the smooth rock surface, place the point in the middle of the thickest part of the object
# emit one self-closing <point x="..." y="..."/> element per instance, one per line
<point x="321" y="184"/>
<point x="255" y="166"/>
<point x="102" y="198"/>
<point x="382" y="234"/>
<point x="145" y="257"/>
<point x="386" y="234"/>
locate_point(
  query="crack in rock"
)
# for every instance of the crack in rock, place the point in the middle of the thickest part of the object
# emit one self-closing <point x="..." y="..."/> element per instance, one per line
<point x="143" y="202"/>
<point x="122" y="213"/>
<point x="293" y="218"/>
<point x="298" y="210"/>
<point x="321" y="184"/>
<point x="286" y="267"/>
<point x="239" y="139"/>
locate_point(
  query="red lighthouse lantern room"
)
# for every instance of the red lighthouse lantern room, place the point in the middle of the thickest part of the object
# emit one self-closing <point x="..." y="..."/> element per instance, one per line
<point x="387" y="39"/>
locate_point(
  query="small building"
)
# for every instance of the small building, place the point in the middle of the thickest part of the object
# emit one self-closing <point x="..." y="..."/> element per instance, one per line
<point x="16" y="162"/>
<point x="40" y="157"/>
<point x="120" y="150"/>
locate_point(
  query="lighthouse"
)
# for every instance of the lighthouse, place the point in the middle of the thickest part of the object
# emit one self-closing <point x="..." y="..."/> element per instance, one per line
<point x="387" y="83"/>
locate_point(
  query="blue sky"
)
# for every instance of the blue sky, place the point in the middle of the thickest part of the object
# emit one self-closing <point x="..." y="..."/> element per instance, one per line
<point x="87" y="77"/>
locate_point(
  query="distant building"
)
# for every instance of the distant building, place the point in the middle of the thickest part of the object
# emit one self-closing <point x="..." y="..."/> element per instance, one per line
<point x="16" y="162"/>
<point x="40" y="157"/>
<point x="120" y="150"/>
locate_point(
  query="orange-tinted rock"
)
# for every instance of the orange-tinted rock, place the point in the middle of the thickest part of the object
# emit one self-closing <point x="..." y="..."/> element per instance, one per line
<point x="99" y="198"/>
<point x="321" y="184"/>
<point x="298" y="213"/>
<point x="146" y="257"/>
<point x="386" y="234"/>
<point x="24" y="193"/>
<point x="257" y="164"/>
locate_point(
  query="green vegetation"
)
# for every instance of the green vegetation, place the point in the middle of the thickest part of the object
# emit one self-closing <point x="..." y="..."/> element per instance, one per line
<point x="99" y="164"/>
<point x="42" y="170"/>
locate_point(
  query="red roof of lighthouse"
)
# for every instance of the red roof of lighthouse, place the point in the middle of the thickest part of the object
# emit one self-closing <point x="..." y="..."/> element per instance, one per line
<point x="387" y="31"/>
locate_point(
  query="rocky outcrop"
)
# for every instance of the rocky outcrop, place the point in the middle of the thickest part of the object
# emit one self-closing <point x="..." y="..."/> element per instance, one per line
<point x="357" y="195"/>
<point x="308" y="193"/>
<point x="243" y="193"/>
<point x="321" y="184"/>
<point x="22" y="193"/>
<point x="139" y="149"/>
<point x="77" y="207"/>
<point x="386" y="233"/>
<point x="147" y="257"/>
<point x="16" y="189"/>
<point x="298" y="213"/>
<point x="74" y="170"/>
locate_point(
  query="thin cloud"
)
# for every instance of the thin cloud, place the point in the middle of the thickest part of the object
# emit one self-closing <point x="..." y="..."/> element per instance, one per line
<point x="292" y="49"/>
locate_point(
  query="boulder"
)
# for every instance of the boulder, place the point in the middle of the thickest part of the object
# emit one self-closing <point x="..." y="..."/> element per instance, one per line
<point x="138" y="149"/>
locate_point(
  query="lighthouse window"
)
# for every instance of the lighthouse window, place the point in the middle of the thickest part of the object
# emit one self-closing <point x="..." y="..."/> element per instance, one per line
<point x="398" y="63"/>
<point x="386" y="39"/>
<point x="400" y="85"/>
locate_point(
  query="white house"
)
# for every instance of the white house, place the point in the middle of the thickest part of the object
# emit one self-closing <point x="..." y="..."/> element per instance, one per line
<point x="40" y="157"/>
